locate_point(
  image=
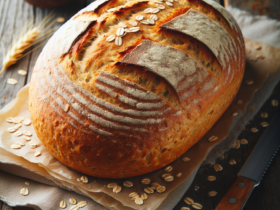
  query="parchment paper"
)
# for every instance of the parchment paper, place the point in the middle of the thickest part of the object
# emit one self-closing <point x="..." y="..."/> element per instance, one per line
<point x="48" y="167"/>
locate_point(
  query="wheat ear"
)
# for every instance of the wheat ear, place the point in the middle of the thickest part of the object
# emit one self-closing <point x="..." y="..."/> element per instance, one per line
<point x="26" y="39"/>
<point x="19" y="47"/>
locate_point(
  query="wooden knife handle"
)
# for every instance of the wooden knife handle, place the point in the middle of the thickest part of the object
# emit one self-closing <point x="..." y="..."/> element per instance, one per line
<point x="237" y="195"/>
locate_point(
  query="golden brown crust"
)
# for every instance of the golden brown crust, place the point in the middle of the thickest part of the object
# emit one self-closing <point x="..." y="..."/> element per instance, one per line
<point x="129" y="116"/>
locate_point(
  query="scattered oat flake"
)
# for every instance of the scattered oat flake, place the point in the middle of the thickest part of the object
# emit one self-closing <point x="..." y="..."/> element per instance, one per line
<point x="274" y="102"/>
<point x="18" y="120"/>
<point x="73" y="201"/>
<point x="264" y="124"/>
<point x="169" y="178"/>
<point x="251" y="108"/>
<point x="213" y="138"/>
<point x="264" y="115"/>
<point x="254" y="130"/>
<point x="145" y="181"/>
<point x="22" y="72"/>
<point x="9" y="119"/>
<point x="234" y="114"/>
<point x="112" y="185"/>
<point x="122" y="24"/>
<point x="185" y="208"/>
<point x="133" y="29"/>
<point x="168" y="168"/>
<point x="260" y="57"/>
<point x="67" y="107"/>
<point x="84" y="179"/>
<point x="145" y="22"/>
<point x="21" y="143"/>
<point x="144" y="196"/>
<point x="33" y="144"/>
<point x="15" y="146"/>
<point x="197" y="206"/>
<point x="60" y="19"/>
<point x="117" y="189"/>
<point x="62" y="204"/>
<point x="74" y="207"/>
<point x="259" y="47"/>
<point x="236" y="144"/>
<point x="148" y="10"/>
<point x="110" y="38"/>
<point x="12" y="81"/>
<point x="169" y="4"/>
<point x="212" y="193"/>
<point x="133" y="194"/>
<point x="189" y="201"/>
<point x="82" y="204"/>
<point x="149" y="190"/>
<point x="120" y="31"/>
<point x="128" y="184"/>
<point x="132" y="23"/>
<point x="179" y="175"/>
<point x="118" y="41"/>
<point x="17" y="126"/>
<point x="232" y="162"/>
<point x="186" y="159"/>
<point x="138" y="200"/>
<point x="133" y="198"/>
<point x="139" y="17"/>
<point x="161" y="189"/>
<point x="26" y="138"/>
<point x="211" y="178"/>
<point x="27" y="133"/>
<point x="155" y="10"/>
<point x="155" y="185"/>
<point x="249" y="82"/>
<point x="165" y="175"/>
<point x="27" y="183"/>
<point x="24" y="191"/>
<point x="243" y="141"/>
<point x="239" y="102"/>
<point x="160" y="7"/>
<point x="154" y="17"/>
<point x="218" y="167"/>
<point x="27" y="122"/>
<point x="18" y="133"/>
<point x="150" y="21"/>
<point x="11" y="129"/>
<point x="37" y="154"/>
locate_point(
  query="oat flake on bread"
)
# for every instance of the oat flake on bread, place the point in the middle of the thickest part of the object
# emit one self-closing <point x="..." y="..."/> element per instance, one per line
<point x="139" y="100"/>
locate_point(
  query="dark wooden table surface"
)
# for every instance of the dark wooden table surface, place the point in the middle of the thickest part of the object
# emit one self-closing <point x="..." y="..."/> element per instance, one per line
<point x="15" y="13"/>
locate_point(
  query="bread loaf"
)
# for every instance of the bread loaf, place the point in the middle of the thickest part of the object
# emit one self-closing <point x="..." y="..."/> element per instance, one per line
<point x="126" y="87"/>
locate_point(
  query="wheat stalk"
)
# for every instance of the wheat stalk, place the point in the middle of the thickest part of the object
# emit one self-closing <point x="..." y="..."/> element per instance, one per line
<point x="26" y="39"/>
<point x="16" y="50"/>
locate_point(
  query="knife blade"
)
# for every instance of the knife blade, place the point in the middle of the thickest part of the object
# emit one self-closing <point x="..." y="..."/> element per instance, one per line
<point x="254" y="168"/>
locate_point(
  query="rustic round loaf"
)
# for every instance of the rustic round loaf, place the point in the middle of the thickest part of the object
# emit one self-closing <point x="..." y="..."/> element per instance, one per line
<point x="126" y="87"/>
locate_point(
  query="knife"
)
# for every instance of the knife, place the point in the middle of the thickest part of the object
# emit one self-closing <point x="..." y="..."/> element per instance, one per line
<point x="254" y="168"/>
